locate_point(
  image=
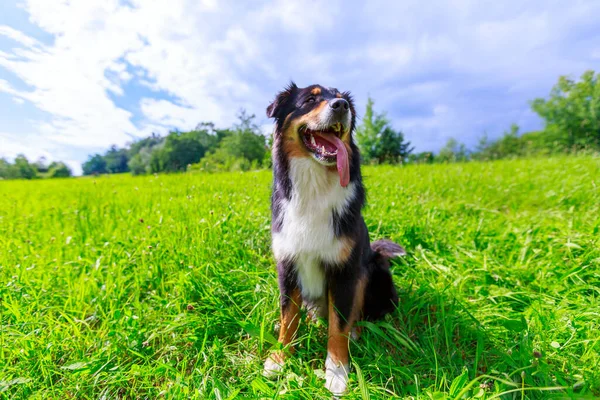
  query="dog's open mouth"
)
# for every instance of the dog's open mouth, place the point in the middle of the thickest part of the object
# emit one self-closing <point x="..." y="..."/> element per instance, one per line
<point x="327" y="148"/>
<point x="320" y="143"/>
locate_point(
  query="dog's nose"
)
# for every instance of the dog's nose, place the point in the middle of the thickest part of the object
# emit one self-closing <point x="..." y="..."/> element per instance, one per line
<point x="339" y="105"/>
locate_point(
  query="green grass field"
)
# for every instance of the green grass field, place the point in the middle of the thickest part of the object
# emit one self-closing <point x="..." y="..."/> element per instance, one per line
<point x="122" y="287"/>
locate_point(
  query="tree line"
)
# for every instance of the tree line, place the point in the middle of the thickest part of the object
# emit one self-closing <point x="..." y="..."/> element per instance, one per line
<point x="21" y="168"/>
<point x="205" y="148"/>
<point x="571" y="116"/>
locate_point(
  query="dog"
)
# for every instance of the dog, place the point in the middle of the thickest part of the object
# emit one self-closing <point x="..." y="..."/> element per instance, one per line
<point x="319" y="238"/>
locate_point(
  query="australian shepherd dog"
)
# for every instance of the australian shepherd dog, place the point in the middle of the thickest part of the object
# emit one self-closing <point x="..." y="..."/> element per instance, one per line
<point x="320" y="241"/>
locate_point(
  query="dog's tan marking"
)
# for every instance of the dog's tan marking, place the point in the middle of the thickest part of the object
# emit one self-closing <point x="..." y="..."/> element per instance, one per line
<point x="293" y="148"/>
<point x="316" y="91"/>
<point x="337" y="364"/>
<point x="338" y="95"/>
<point x="292" y="145"/>
<point x="290" y="316"/>
<point x="292" y="142"/>
<point x="313" y="116"/>
<point x="346" y="250"/>
<point x="339" y="333"/>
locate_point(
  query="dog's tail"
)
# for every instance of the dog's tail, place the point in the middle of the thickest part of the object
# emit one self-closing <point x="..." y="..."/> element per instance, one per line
<point x="388" y="249"/>
<point x="381" y="297"/>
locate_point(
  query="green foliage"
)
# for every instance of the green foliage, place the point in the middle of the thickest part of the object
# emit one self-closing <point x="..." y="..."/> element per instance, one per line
<point x="240" y="149"/>
<point x="124" y="287"/>
<point x="510" y="145"/>
<point x="21" y="168"/>
<point x="59" y="170"/>
<point x="140" y="154"/>
<point x="572" y="118"/>
<point x="146" y="143"/>
<point x="6" y="170"/>
<point x="95" y="165"/>
<point x="572" y="113"/>
<point x="425" y="157"/>
<point x="453" y="151"/>
<point x="378" y="141"/>
<point x="41" y="165"/>
<point x="116" y="160"/>
<point x="139" y="163"/>
<point x="182" y="149"/>
<point x="245" y="140"/>
<point x="220" y="161"/>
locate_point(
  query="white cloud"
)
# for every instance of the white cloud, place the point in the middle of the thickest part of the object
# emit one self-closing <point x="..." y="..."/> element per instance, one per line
<point x="430" y="67"/>
<point x="17" y="36"/>
<point x="13" y="146"/>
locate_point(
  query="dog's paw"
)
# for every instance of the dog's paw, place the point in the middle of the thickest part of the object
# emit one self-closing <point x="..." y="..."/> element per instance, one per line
<point x="273" y="366"/>
<point x="336" y="377"/>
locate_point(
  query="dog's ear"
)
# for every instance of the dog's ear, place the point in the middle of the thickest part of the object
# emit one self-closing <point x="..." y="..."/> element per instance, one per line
<point x="281" y="99"/>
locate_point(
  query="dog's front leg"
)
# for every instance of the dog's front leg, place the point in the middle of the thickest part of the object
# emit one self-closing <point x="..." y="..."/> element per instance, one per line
<point x="290" y="303"/>
<point x="346" y="297"/>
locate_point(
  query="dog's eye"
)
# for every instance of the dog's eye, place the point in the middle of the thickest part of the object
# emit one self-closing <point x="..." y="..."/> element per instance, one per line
<point x="310" y="100"/>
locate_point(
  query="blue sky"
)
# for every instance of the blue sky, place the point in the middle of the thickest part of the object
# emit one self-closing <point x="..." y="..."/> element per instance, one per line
<point x="78" y="76"/>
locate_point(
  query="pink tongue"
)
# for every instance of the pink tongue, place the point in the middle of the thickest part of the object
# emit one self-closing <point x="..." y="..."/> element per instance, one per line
<point x="342" y="158"/>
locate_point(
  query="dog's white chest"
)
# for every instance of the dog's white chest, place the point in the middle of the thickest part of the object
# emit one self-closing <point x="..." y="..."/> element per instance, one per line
<point x="307" y="234"/>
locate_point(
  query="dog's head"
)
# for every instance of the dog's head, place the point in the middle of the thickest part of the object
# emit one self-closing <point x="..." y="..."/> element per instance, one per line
<point x="315" y="122"/>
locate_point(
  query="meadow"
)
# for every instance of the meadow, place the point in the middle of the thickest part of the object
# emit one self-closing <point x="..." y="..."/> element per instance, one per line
<point x="120" y="287"/>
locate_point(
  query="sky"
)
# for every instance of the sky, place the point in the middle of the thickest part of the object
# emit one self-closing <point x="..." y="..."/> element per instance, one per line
<point x="79" y="76"/>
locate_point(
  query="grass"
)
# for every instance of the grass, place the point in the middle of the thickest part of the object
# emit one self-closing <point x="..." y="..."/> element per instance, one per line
<point x="122" y="287"/>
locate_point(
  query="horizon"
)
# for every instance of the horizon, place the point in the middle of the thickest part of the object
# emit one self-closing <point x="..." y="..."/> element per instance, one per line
<point x="78" y="78"/>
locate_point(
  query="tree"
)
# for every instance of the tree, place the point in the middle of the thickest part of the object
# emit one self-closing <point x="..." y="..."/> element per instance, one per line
<point x="116" y="160"/>
<point x="140" y="154"/>
<point x="509" y="145"/>
<point x="245" y="140"/>
<point x="94" y="165"/>
<point x="378" y="141"/>
<point x="181" y="149"/>
<point x="6" y="170"/>
<point x="241" y="148"/>
<point x="572" y="113"/>
<point x="59" y="170"/>
<point x="425" y="157"/>
<point x="23" y="169"/>
<point x="481" y="152"/>
<point x="138" y="165"/>
<point x="453" y="151"/>
<point x="41" y="165"/>
<point x="148" y="142"/>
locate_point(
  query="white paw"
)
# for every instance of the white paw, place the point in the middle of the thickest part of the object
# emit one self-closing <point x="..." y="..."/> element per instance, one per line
<point x="354" y="333"/>
<point x="336" y="377"/>
<point x="272" y="368"/>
